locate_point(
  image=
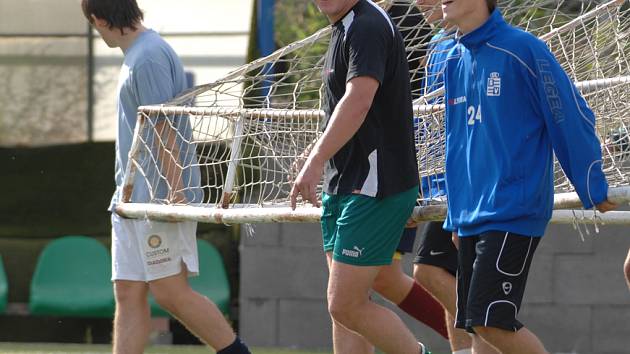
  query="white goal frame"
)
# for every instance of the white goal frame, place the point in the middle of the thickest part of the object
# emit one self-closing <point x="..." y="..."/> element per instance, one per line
<point x="229" y="211"/>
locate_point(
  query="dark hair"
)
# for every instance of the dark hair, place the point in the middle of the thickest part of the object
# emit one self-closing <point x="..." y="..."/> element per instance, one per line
<point x="492" y="4"/>
<point x="118" y="13"/>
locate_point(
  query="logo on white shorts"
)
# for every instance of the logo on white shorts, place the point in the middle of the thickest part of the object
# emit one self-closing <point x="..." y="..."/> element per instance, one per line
<point x="154" y="241"/>
<point x="156" y="255"/>
<point x="507" y="287"/>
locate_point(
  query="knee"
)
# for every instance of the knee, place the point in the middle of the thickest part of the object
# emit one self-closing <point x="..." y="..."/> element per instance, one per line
<point x="341" y="315"/>
<point x="337" y="311"/>
<point x="626" y="270"/>
<point x="342" y="311"/>
<point x="130" y="293"/>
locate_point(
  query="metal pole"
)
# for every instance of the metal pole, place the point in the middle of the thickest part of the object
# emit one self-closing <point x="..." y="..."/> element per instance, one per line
<point x="132" y="164"/>
<point x="90" y="85"/>
<point x="235" y="153"/>
<point x="266" y="42"/>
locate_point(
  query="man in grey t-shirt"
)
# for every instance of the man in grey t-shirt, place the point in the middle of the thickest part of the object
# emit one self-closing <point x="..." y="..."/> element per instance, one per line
<point x="154" y="256"/>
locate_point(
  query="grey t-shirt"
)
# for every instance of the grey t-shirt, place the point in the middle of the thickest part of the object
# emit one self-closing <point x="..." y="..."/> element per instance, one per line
<point x="152" y="74"/>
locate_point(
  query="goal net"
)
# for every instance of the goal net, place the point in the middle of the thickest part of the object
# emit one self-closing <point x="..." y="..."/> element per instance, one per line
<point x="249" y="127"/>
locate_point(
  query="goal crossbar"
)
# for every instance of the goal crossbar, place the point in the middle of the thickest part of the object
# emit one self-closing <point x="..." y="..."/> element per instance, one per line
<point x="313" y="215"/>
<point x="240" y="214"/>
<point x="585" y="87"/>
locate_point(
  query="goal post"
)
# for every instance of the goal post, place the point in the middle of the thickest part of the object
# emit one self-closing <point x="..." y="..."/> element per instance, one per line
<point x="244" y="214"/>
<point x="248" y="141"/>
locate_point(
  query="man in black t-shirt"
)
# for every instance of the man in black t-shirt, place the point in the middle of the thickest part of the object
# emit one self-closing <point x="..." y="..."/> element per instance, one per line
<point x="367" y="156"/>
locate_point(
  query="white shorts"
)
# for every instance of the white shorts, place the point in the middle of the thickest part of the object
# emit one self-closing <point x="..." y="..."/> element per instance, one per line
<point x="145" y="250"/>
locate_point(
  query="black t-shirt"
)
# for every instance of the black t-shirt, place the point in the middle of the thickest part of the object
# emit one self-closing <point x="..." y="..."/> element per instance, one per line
<point x="379" y="160"/>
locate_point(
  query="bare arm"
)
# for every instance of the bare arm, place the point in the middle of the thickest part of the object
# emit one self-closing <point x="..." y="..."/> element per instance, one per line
<point x="347" y="117"/>
<point x="168" y="157"/>
<point x="154" y="84"/>
<point x="299" y="161"/>
<point x="455" y="239"/>
<point x="344" y="123"/>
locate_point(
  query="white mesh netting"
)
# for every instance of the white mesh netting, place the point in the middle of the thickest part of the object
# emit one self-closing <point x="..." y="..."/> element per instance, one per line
<point x="250" y="126"/>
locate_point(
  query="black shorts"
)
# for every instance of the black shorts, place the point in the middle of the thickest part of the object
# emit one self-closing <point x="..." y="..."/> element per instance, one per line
<point x="490" y="293"/>
<point x="436" y="248"/>
<point x="406" y="240"/>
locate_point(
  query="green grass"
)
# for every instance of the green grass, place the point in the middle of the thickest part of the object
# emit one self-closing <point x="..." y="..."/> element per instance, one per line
<point x="46" y="348"/>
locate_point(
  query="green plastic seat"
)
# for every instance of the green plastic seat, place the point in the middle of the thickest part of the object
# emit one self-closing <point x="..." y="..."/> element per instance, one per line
<point x="211" y="282"/>
<point x="4" y="288"/>
<point x="72" y="278"/>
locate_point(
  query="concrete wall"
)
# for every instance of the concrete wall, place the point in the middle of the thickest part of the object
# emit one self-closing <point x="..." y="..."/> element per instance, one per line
<point x="576" y="300"/>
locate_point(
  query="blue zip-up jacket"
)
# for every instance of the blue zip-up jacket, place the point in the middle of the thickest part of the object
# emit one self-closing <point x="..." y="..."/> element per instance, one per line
<point x="439" y="47"/>
<point x="509" y="107"/>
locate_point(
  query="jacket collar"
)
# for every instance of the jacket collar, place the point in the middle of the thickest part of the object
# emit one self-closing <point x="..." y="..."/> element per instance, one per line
<point x="483" y="34"/>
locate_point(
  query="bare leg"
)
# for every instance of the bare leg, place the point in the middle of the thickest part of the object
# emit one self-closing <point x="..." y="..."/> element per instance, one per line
<point x="195" y="311"/>
<point x="348" y="342"/>
<point x="350" y="306"/>
<point x="626" y="269"/>
<point x="457" y="338"/>
<point x="132" y="318"/>
<point x="344" y="340"/>
<point x="441" y="284"/>
<point x="480" y="346"/>
<point x="507" y="342"/>
<point x="399" y="288"/>
<point x="392" y="283"/>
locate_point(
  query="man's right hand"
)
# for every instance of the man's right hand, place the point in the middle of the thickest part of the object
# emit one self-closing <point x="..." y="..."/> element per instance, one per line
<point x="605" y="206"/>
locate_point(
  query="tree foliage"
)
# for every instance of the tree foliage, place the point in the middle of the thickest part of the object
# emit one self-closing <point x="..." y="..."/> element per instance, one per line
<point x="296" y="19"/>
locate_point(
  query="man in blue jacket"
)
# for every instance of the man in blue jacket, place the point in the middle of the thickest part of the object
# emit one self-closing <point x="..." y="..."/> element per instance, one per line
<point x="509" y="108"/>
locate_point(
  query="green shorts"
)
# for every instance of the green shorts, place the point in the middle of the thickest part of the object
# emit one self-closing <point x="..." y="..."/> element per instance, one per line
<point x="362" y="230"/>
